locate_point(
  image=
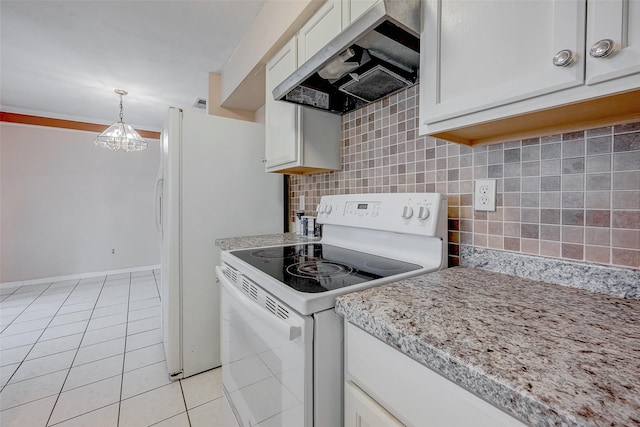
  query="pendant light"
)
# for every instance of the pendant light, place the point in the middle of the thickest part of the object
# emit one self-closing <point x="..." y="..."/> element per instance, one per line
<point x="121" y="136"/>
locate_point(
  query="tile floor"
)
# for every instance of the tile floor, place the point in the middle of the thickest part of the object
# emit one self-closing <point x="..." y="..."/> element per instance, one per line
<point x="88" y="352"/>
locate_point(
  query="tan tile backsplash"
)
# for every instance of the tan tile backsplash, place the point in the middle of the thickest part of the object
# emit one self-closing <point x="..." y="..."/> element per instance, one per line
<point x="574" y="196"/>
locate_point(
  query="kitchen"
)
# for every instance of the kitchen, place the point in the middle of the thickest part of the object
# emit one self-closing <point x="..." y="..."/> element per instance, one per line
<point x="566" y="196"/>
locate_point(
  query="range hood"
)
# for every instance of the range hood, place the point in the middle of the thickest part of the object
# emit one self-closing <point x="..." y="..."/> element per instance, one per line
<point x="375" y="56"/>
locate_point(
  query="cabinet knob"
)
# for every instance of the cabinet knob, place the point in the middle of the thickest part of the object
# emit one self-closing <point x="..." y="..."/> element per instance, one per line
<point x="602" y="48"/>
<point x="563" y="58"/>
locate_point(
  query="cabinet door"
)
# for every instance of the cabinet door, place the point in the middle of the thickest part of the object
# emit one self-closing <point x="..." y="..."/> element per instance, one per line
<point x="618" y="21"/>
<point x="353" y="9"/>
<point x="362" y="411"/>
<point x="478" y="54"/>
<point x="319" y="30"/>
<point x="281" y="130"/>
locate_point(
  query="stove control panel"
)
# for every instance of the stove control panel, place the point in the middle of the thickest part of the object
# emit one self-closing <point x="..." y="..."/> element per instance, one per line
<point x="418" y="213"/>
<point x="360" y="209"/>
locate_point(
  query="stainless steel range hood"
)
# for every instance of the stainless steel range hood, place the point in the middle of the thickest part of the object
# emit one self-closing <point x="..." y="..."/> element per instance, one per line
<point x="375" y="56"/>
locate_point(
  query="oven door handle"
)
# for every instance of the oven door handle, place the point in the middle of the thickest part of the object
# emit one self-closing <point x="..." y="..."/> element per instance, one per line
<point x="281" y="326"/>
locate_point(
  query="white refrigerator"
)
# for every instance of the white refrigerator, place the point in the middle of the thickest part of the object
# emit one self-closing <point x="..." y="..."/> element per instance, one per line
<point x="211" y="184"/>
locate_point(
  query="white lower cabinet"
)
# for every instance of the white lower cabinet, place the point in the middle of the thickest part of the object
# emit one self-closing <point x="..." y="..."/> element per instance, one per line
<point x="362" y="411"/>
<point x="384" y="387"/>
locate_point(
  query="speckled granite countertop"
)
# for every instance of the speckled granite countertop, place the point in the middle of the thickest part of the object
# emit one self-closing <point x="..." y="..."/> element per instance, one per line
<point x="231" y="243"/>
<point x="548" y="354"/>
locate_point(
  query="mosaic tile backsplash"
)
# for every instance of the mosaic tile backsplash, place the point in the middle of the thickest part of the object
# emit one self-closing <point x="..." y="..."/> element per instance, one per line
<point x="573" y="196"/>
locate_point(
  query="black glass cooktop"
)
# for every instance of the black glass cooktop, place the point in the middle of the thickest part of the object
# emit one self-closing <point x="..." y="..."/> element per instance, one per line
<point x="318" y="267"/>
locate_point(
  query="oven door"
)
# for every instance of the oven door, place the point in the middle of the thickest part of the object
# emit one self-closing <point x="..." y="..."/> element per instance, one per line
<point x="267" y="351"/>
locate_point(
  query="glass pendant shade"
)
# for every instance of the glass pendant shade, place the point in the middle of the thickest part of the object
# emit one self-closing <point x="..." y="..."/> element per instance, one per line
<point x="121" y="136"/>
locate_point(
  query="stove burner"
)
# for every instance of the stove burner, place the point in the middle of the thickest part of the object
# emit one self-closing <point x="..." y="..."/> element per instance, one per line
<point x="268" y="253"/>
<point x="319" y="267"/>
<point x="319" y="270"/>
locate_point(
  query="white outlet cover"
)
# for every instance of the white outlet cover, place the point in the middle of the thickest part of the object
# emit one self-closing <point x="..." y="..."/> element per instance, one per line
<point x="485" y="195"/>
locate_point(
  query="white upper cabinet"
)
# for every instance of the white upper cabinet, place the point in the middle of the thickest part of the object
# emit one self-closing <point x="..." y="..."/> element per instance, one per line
<point x="486" y="64"/>
<point x="297" y="140"/>
<point x="327" y="22"/>
<point x="353" y="9"/>
<point x="487" y="57"/>
<point x="614" y="23"/>
<point x="323" y="26"/>
<point x="281" y="131"/>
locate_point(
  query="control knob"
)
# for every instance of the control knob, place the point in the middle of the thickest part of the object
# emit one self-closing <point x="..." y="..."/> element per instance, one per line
<point x="423" y="213"/>
<point x="407" y="212"/>
<point x="326" y="209"/>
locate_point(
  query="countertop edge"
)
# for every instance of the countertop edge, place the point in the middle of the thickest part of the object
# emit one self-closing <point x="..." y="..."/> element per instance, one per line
<point x="256" y="241"/>
<point x="521" y="406"/>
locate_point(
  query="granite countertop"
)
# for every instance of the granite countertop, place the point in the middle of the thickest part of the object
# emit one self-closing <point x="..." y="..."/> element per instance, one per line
<point x="231" y="243"/>
<point x="548" y="354"/>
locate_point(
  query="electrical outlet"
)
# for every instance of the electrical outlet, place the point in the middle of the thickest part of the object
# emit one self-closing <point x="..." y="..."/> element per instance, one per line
<point x="485" y="196"/>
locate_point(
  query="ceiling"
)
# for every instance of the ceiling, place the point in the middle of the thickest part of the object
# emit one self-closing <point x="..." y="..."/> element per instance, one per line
<point x="64" y="59"/>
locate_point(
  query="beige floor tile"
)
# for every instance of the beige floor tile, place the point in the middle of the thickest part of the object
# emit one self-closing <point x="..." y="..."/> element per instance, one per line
<point x="85" y="399"/>
<point x="216" y="413"/>
<point x="180" y="420"/>
<point x="33" y="389"/>
<point x="14" y="355"/>
<point x="30" y="314"/>
<point x="14" y="341"/>
<point x="202" y="388"/>
<point x="57" y="345"/>
<point x="143" y="357"/>
<point x="143" y="325"/>
<point x="33" y="414"/>
<point x="103" y="417"/>
<point x="76" y="316"/>
<point x="21" y="327"/>
<point x="109" y="311"/>
<point x="94" y="371"/>
<point x="143" y="339"/>
<point x="145" y="303"/>
<point x="43" y="365"/>
<point x="72" y="307"/>
<point x="6" y="372"/>
<point x="107" y="321"/>
<point x="99" y="351"/>
<point x="144" y="313"/>
<point x="152" y="407"/>
<point x="145" y="379"/>
<point x="102" y="335"/>
<point x="64" y="330"/>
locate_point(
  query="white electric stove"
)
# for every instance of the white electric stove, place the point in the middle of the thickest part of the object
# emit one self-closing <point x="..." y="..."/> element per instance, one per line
<point x="281" y="339"/>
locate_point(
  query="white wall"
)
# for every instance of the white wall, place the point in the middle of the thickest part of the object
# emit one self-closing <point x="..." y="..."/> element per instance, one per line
<point x="65" y="204"/>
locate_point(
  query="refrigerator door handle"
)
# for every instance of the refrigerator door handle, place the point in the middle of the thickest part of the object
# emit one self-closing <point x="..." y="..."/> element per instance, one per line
<point x="158" y="204"/>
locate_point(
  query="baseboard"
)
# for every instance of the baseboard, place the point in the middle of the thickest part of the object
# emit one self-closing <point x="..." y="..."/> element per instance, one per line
<point x="77" y="276"/>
